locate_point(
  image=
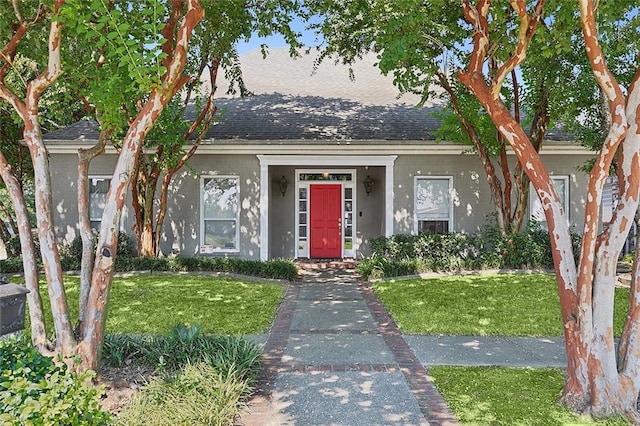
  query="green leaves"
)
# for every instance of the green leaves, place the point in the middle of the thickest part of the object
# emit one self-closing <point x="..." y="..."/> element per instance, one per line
<point x="117" y="57"/>
<point x="34" y="390"/>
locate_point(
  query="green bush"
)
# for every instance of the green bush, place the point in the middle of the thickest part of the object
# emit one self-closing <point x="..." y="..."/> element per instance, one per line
<point x="11" y="265"/>
<point x="277" y="268"/>
<point x="35" y="390"/>
<point x="410" y="254"/>
<point x="14" y="246"/>
<point x="124" y="248"/>
<point x="184" y="345"/>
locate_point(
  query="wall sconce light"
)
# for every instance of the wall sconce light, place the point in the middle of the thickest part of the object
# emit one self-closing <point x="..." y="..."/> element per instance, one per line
<point x="283" y="184"/>
<point x="368" y="185"/>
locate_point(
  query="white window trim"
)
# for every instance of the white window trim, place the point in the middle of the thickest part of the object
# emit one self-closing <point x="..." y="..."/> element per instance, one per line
<point x="415" y="207"/>
<point x="533" y="198"/>
<point x="204" y="249"/>
<point x="92" y="177"/>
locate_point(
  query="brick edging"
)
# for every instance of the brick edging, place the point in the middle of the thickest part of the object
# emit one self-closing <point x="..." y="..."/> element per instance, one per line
<point x="276" y="342"/>
<point x="431" y="403"/>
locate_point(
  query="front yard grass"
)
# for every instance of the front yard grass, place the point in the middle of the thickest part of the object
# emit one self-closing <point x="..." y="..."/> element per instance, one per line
<point x="515" y="304"/>
<point x="507" y="396"/>
<point x="154" y="303"/>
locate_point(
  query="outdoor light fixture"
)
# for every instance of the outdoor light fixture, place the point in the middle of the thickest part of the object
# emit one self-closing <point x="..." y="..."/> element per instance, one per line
<point x="368" y="185"/>
<point x="12" y="306"/>
<point x="283" y="184"/>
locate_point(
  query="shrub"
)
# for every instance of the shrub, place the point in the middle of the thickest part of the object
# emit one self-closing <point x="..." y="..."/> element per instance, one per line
<point x="11" y="265"/>
<point x="184" y="345"/>
<point x="198" y="394"/>
<point x="35" y="390"/>
<point x="124" y="248"/>
<point x="14" y="247"/>
<point x="275" y="268"/>
<point x="410" y="254"/>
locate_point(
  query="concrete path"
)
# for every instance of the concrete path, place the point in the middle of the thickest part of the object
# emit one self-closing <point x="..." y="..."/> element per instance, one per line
<point x="335" y="356"/>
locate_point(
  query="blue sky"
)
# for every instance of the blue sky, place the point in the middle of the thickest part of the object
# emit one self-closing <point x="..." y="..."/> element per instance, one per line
<point x="308" y="39"/>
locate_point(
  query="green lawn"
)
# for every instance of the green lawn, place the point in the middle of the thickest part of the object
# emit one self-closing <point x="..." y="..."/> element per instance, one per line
<point x="153" y="303"/>
<point x="496" y="304"/>
<point x="507" y="396"/>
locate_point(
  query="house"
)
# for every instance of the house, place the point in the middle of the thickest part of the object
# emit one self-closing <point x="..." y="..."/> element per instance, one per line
<point x="314" y="165"/>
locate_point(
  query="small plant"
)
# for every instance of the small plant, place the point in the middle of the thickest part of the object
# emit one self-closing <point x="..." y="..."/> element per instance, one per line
<point x="184" y="345"/>
<point x="35" y="390"/>
<point x="410" y="254"/>
<point x="198" y="394"/>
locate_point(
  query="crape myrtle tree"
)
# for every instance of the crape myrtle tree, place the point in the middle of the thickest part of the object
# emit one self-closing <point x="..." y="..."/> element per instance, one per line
<point x="160" y="77"/>
<point x="56" y="109"/>
<point x="490" y="42"/>
<point x="599" y="380"/>
<point x="182" y="126"/>
<point x="421" y="44"/>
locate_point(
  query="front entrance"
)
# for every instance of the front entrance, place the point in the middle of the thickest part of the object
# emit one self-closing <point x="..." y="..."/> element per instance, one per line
<point x="325" y="213"/>
<point x="325" y="217"/>
<point x="314" y="169"/>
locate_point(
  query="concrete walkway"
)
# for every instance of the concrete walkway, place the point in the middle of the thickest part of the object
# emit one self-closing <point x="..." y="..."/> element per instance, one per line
<point x="335" y="356"/>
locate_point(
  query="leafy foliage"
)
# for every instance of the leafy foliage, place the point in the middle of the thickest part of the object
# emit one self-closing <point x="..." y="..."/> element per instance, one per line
<point x="35" y="390"/>
<point x="184" y="345"/>
<point x="207" y="377"/>
<point x="411" y="254"/>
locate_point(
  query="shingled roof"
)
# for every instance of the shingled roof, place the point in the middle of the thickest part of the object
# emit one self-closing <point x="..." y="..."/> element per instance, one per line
<point x="294" y="100"/>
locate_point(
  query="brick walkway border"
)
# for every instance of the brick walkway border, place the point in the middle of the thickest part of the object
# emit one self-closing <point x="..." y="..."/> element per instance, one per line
<point x="431" y="403"/>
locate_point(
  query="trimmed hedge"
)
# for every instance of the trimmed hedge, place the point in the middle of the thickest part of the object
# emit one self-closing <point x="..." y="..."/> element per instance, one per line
<point x="276" y="268"/>
<point x="413" y="254"/>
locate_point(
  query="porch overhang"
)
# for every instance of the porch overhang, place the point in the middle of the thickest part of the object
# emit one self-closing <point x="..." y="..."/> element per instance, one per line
<point x="386" y="161"/>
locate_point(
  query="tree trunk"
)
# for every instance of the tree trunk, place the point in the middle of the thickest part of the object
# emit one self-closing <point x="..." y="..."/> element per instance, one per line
<point x="595" y="383"/>
<point x="495" y="186"/>
<point x="95" y="314"/>
<point x="86" y="233"/>
<point x="65" y="340"/>
<point x="488" y="94"/>
<point x="29" y="261"/>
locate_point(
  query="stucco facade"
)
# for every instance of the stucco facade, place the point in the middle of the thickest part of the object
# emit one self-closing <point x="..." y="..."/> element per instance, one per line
<point x="388" y="209"/>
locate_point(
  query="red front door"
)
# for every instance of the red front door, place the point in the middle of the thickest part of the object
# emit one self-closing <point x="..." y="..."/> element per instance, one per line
<point x="325" y="219"/>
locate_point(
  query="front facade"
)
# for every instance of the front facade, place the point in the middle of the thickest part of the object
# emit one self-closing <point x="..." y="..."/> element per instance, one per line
<point x="316" y="205"/>
<point x="311" y="176"/>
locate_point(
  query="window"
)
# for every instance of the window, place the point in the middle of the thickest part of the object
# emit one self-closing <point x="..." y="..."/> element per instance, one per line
<point x="433" y="204"/>
<point x="562" y="188"/>
<point x="98" y="188"/>
<point x="219" y="213"/>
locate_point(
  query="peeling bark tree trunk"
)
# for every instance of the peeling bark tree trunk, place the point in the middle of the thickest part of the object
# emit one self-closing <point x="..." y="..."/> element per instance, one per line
<point x="94" y="318"/>
<point x="86" y="233"/>
<point x="495" y="186"/>
<point x="30" y="268"/>
<point x="596" y="382"/>
<point x="149" y="225"/>
<point x="27" y="109"/>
